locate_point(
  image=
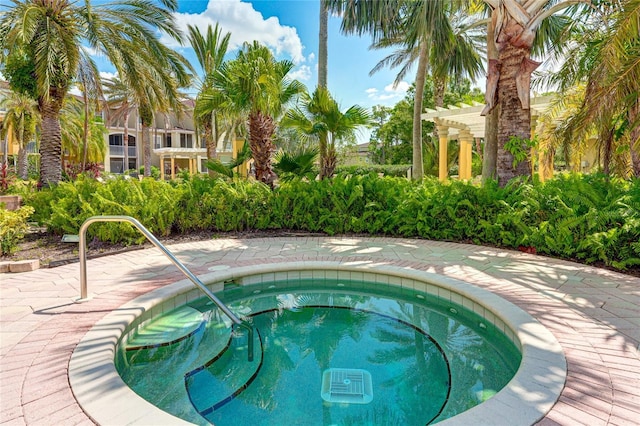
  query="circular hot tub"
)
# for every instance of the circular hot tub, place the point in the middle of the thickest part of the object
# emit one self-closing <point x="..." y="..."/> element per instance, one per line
<point x="336" y="344"/>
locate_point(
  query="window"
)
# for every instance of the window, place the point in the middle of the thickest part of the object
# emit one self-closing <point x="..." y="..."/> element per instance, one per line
<point x="115" y="139"/>
<point x="116" y="165"/>
<point x="186" y="140"/>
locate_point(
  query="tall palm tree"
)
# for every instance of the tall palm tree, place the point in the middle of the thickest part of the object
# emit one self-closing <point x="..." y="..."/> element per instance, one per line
<point x="515" y="24"/>
<point x="77" y="127"/>
<point x="45" y="37"/>
<point x="210" y="50"/>
<point x="455" y="53"/>
<point x="89" y="82"/>
<point x="320" y="117"/>
<point x="254" y="85"/>
<point x="20" y="121"/>
<point x="417" y="22"/>
<point x="323" y="59"/>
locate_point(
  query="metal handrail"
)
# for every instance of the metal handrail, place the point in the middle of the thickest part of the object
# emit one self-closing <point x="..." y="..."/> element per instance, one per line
<point x="172" y="258"/>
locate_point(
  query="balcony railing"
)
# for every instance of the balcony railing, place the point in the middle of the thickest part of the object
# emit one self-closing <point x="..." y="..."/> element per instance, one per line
<point x="118" y="151"/>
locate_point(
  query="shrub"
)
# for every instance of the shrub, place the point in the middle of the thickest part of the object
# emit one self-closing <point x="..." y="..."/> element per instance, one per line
<point x="393" y="170"/>
<point x="588" y="218"/>
<point x="13" y="226"/>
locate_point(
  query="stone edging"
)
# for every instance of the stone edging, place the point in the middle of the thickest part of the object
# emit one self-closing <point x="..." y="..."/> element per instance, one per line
<point x="19" y="266"/>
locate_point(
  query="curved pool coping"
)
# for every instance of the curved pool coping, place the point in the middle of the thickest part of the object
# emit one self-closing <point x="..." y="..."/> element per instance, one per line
<point x="529" y="395"/>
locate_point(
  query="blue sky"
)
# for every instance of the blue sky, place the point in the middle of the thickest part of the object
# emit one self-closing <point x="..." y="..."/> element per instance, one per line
<point x="290" y="29"/>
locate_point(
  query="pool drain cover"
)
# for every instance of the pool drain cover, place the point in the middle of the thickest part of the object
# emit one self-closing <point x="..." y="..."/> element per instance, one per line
<point x="347" y="386"/>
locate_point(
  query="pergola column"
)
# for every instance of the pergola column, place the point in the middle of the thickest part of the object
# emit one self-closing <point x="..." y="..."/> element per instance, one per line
<point x="465" y="139"/>
<point x="173" y="168"/>
<point x="162" y="167"/>
<point x="443" y="140"/>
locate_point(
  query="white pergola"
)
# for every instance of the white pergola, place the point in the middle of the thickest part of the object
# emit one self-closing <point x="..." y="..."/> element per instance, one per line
<point x="464" y="123"/>
<point x="192" y="155"/>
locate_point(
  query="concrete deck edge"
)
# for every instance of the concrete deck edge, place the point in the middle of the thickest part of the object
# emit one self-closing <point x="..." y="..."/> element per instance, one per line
<point x="531" y="393"/>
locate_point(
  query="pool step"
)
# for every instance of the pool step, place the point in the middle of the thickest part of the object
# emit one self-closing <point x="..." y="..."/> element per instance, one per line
<point x="223" y="378"/>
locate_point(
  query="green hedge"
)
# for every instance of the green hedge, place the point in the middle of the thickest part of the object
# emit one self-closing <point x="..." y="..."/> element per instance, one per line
<point x="584" y="217"/>
<point x="393" y="170"/>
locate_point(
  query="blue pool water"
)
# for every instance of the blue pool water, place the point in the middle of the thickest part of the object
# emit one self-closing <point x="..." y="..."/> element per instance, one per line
<point x="325" y="353"/>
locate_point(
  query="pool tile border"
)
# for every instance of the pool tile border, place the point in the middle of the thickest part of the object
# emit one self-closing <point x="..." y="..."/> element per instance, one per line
<point x="539" y="380"/>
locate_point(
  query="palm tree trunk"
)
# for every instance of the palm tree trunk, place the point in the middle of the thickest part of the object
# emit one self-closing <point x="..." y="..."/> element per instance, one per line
<point x="490" y="156"/>
<point x="146" y="147"/>
<point x="125" y="141"/>
<point x="322" y="82"/>
<point x="23" y="163"/>
<point x="513" y="119"/>
<point x="634" y="145"/>
<point x="322" y="45"/>
<point x="209" y="141"/>
<point x="51" y="139"/>
<point x="85" y="131"/>
<point x="331" y="162"/>
<point x="607" y="150"/>
<point x="261" y="129"/>
<point x="418" y="172"/>
<point x="322" y="145"/>
<point x="439" y="85"/>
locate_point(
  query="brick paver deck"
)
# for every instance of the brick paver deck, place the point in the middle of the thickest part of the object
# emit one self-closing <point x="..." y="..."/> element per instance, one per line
<point x="594" y="314"/>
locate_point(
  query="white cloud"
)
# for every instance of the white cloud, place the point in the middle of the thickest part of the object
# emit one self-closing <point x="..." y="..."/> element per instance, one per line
<point x="311" y="57"/>
<point x="245" y="25"/>
<point x="389" y="92"/>
<point x="302" y="73"/>
<point x="108" y="75"/>
<point x="401" y="88"/>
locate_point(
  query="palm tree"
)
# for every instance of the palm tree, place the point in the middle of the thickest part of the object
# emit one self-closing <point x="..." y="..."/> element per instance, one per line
<point x="454" y="53"/>
<point x="77" y="127"/>
<point x="89" y="82"/>
<point x="608" y="68"/>
<point x="320" y="117"/>
<point x="210" y="50"/>
<point x="20" y="121"/>
<point x="44" y="38"/>
<point x="254" y="85"/>
<point x="515" y="24"/>
<point x="120" y="97"/>
<point x="416" y="22"/>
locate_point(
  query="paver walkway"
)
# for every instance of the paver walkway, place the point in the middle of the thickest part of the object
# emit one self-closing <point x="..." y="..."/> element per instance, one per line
<point x="594" y="314"/>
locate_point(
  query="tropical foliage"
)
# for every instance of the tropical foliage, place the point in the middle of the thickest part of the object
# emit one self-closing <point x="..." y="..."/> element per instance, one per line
<point x="210" y="49"/>
<point x="256" y="86"/>
<point x="13" y="227"/>
<point x="20" y="121"/>
<point x="590" y="218"/>
<point x="601" y="76"/>
<point x="319" y="117"/>
<point x="45" y="39"/>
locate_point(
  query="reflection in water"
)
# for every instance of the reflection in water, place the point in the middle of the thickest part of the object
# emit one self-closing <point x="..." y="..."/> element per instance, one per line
<point x="408" y="385"/>
<point x="305" y="332"/>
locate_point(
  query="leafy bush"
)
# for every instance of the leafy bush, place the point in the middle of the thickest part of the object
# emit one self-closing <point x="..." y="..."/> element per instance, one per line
<point x="69" y="204"/>
<point x="13" y="226"/>
<point x="394" y="170"/>
<point x="588" y="218"/>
